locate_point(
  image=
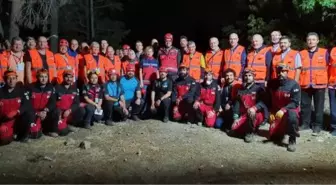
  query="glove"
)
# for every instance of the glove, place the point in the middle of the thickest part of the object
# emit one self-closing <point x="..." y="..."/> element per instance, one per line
<point x="12" y="114"/>
<point x="279" y="114"/>
<point x="272" y="118"/>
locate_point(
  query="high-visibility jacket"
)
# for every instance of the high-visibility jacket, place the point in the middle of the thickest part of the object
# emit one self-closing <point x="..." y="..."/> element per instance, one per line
<point x="214" y="61"/>
<point x="194" y="64"/>
<point x="277" y="51"/>
<point x="16" y="63"/>
<point x="314" y="71"/>
<point x="116" y="64"/>
<point x="169" y="59"/>
<point x="36" y="64"/>
<point x="3" y="66"/>
<point x="101" y="65"/>
<point x="257" y="61"/>
<point x="332" y="68"/>
<point x="289" y="59"/>
<point x="233" y="59"/>
<point x="65" y="62"/>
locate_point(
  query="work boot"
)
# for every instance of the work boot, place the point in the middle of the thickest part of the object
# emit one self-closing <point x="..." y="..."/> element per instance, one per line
<point x="165" y="119"/>
<point x="248" y="138"/>
<point x="135" y="118"/>
<point x="87" y="125"/>
<point x="304" y="127"/>
<point x="316" y="130"/>
<point x="109" y="123"/>
<point x="53" y="134"/>
<point x="291" y="144"/>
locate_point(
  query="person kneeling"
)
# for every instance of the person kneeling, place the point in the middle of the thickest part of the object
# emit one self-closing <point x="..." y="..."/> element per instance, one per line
<point x="249" y="110"/>
<point x="15" y="113"/>
<point x="114" y="99"/>
<point x="160" y="96"/>
<point x="67" y="105"/>
<point x="207" y="100"/>
<point x="93" y="99"/>
<point x="285" y="107"/>
<point x="131" y="87"/>
<point x="43" y="99"/>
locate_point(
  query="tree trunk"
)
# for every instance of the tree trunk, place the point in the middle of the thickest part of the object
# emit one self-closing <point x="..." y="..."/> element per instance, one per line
<point x="54" y="26"/>
<point x="14" y="29"/>
<point x="87" y="18"/>
<point x="92" y="20"/>
<point x="2" y="33"/>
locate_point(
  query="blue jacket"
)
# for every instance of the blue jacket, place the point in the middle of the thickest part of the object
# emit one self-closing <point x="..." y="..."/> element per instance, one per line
<point x="130" y="86"/>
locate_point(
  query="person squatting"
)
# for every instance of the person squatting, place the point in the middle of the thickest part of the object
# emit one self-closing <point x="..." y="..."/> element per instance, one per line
<point x="232" y="89"/>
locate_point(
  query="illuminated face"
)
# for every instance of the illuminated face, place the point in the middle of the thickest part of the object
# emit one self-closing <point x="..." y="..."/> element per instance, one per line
<point x="229" y="77"/>
<point x="68" y="79"/>
<point x="11" y="81"/>
<point x="275" y="37"/>
<point x="43" y="78"/>
<point x="63" y="49"/>
<point x="17" y="46"/>
<point x="248" y="78"/>
<point x="312" y="41"/>
<point x="214" y="43"/>
<point x="74" y="45"/>
<point x="94" y="79"/>
<point x="284" y="44"/>
<point x="233" y="39"/>
<point x="42" y="43"/>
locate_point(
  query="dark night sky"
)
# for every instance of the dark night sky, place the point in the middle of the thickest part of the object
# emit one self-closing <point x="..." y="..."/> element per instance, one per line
<point x="149" y="19"/>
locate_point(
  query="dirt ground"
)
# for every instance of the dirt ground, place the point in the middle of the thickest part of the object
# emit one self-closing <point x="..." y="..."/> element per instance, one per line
<point x="155" y="152"/>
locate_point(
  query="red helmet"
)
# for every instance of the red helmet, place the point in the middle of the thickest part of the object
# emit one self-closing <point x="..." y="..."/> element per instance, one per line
<point x="130" y="67"/>
<point x="64" y="42"/>
<point x="163" y="69"/>
<point x="168" y="36"/>
<point x="125" y="47"/>
<point x="112" y="71"/>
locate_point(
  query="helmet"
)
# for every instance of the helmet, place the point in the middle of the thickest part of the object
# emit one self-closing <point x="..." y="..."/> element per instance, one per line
<point x="183" y="66"/>
<point x="249" y="70"/>
<point x="112" y="71"/>
<point x="163" y="69"/>
<point x="68" y="72"/>
<point x="282" y="66"/>
<point x="168" y="36"/>
<point x="130" y="67"/>
<point x="64" y="42"/>
<point x="126" y="47"/>
<point x="208" y="70"/>
<point x="9" y="73"/>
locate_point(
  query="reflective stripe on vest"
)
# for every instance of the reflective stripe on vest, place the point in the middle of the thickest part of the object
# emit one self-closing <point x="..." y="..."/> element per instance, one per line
<point x="332" y="68"/>
<point x="233" y="59"/>
<point x="258" y="62"/>
<point x="289" y="59"/>
<point x="214" y="61"/>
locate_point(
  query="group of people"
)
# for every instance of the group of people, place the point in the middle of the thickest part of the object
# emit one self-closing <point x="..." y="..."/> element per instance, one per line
<point x="232" y="89"/>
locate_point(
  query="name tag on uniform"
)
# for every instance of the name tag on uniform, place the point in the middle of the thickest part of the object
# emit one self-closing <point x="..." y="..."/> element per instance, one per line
<point x="68" y="67"/>
<point x="20" y="66"/>
<point x="98" y="112"/>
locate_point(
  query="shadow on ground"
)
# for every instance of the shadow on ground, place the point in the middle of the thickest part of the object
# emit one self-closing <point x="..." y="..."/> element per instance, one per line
<point x="303" y="175"/>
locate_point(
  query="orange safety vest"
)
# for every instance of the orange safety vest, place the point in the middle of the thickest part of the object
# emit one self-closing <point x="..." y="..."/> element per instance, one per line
<point x="116" y="64"/>
<point x="3" y="66"/>
<point x="277" y="51"/>
<point x="65" y="62"/>
<point x="101" y="66"/>
<point x="36" y="64"/>
<point x="289" y="60"/>
<point x="214" y="61"/>
<point x="314" y="71"/>
<point x="233" y="59"/>
<point x="194" y="64"/>
<point x="257" y="61"/>
<point x="332" y="68"/>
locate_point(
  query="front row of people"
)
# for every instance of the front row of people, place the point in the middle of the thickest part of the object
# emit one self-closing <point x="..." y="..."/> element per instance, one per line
<point x="237" y="108"/>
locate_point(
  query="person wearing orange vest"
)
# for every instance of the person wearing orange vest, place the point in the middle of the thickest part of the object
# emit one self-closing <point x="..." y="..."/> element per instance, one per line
<point x="3" y="68"/>
<point x="83" y="50"/>
<point x="170" y="57"/>
<point x="332" y="90"/>
<point x="125" y="50"/>
<point x="214" y="58"/>
<point x="40" y="58"/>
<point x="97" y="62"/>
<point x="30" y="44"/>
<point x="15" y="59"/>
<point x="64" y="61"/>
<point x="235" y="57"/>
<point x="114" y="60"/>
<point x="260" y="60"/>
<point x="195" y="61"/>
<point x="289" y="56"/>
<point x="275" y="38"/>
<point x="313" y="82"/>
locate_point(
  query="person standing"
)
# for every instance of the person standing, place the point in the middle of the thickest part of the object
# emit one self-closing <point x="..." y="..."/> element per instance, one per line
<point x="214" y="58"/>
<point x="313" y="82"/>
<point x="15" y="59"/>
<point x="64" y="61"/>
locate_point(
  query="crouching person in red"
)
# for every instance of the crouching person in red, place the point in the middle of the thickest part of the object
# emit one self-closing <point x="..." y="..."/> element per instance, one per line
<point x="67" y="105"/>
<point x="249" y="110"/>
<point x="43" y="100"/>
<point x="207" y="102"/>
<point x="15" y="114"/>
<point x="183" y="96"/>
<point x="285" y="107"/>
